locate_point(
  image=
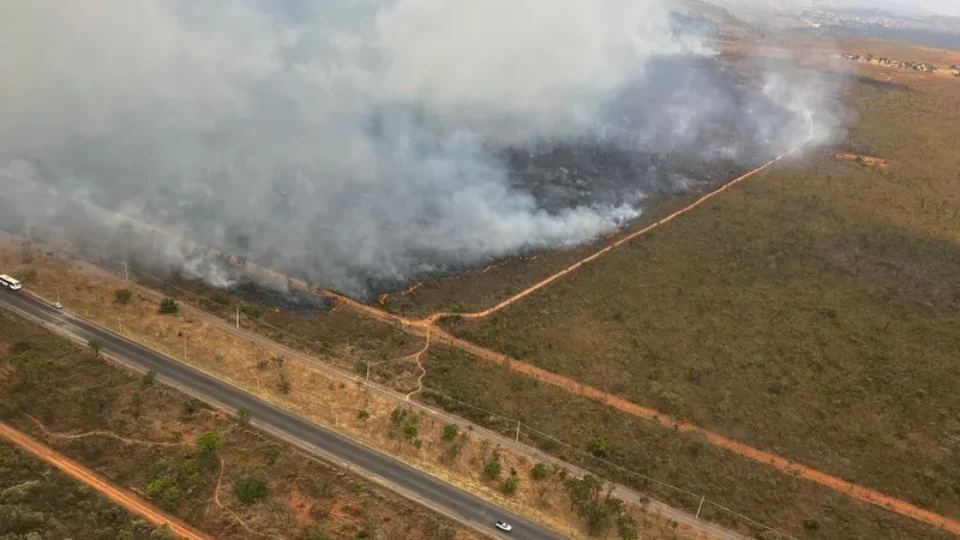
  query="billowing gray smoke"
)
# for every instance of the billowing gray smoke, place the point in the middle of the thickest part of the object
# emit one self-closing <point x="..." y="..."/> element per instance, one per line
<point x="367" y="143"/>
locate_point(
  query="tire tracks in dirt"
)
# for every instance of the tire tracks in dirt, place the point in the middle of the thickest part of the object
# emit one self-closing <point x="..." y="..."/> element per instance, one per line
<point x="113" y="492"/>
<point x="97" y="433"/>
<point x="423" y="371"/>
<point x="221" y="506"/>
<point x="125" y="440"/>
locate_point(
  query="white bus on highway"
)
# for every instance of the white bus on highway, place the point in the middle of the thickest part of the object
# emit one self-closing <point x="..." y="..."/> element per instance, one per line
<point x="9" y="282"/>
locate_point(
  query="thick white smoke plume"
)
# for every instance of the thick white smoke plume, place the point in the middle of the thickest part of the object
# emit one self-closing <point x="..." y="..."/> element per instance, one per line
<point x="362" y="143"/>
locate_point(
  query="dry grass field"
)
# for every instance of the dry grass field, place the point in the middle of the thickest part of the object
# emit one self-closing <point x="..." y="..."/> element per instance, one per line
<point x="813" y="311"/>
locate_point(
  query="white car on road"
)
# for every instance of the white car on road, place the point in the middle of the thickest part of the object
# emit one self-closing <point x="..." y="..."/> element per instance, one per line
<point x="504" y="526"/>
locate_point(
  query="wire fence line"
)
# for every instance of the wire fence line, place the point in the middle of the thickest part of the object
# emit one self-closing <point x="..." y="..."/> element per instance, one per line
<point x="517" y="427"/>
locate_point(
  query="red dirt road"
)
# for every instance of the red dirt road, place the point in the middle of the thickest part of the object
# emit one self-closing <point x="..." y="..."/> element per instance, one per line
<point x="117" y="494"/>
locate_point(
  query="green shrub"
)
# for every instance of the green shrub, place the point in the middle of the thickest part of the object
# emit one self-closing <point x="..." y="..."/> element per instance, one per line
<point x="209" y="443"/>
<point x="250" y="490"/>
<point x="169" y="305"/>
<point x="148" y="378"/>
<point x="398" y="415"/>
<point x="492" y="467"/>
<point x="509" y="485"/>
<point x="539" y="471"/>
<point x="450" y="431"/>
<point x="251" y="311"/>
<point x="122" y="296"/>
<point x="598" y="446"/>
<point x="164" y="489"/>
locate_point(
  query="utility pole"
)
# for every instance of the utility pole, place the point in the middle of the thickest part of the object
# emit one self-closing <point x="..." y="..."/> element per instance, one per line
<point x="184" y="348"/>
<point x="120" y="324"/>
<point x="517" y="439"/>
<point x="238" y="317"/>
<point x="367" y="381"/>
<point x="126" y="273"/>
<point x="702" y="497"/>
<point x="58" y="293"/>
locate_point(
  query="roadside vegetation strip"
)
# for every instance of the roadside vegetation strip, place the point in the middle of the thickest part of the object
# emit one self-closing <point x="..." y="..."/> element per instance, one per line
<point x="522" y="451"/>
<point x="760" y="456"/>
<point x="119" y="495"/>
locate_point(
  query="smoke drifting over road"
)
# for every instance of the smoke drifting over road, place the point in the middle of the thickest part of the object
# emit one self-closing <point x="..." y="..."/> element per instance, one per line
<point x="367" y="143"/>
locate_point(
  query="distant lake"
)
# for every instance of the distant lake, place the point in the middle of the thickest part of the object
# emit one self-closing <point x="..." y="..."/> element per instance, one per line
<point x="942" y="40"/>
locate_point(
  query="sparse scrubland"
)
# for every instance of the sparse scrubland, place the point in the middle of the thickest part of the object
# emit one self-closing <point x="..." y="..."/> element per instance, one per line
<point x="218" y="474"/>
<point x="419" y="440"/>
<point x="38" y="502"/>
<point x="813" y="311"/>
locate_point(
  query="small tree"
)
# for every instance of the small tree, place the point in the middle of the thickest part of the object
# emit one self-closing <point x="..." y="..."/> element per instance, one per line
<point x="363" y="415"/>
<point x="598" y="446"/>
<point x="362" y="366"/>
<point x="251" y="311"/>
<point x="398" y="415"/>
<point x="209" y="443"/>
<point x="122" y="296"/>
<point x="243" y="416"/>
<point x="410" y="432"/>
<point x="509" y="485"/>
<point x="148" y="378"/>
<point x="539" y="471"/>
<point x="450" y="431"/>
<point x="492" y="467"/>
<point x="250" y="490"/>
<point x="169" y="305"/>
<point x="96" y="345"/>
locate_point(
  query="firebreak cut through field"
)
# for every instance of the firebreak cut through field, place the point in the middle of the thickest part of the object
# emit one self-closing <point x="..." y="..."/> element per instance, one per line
<point x="813" y="311"/>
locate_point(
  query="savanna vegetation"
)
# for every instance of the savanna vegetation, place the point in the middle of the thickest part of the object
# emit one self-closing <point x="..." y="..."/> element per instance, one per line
<point x="813" y="311"/>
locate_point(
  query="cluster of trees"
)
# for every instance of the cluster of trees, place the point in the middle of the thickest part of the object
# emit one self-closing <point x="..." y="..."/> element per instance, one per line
<point x="599" y="509"/>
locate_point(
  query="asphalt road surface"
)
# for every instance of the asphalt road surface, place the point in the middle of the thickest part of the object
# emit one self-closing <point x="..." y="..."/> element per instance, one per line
<point x="371" y="463"/>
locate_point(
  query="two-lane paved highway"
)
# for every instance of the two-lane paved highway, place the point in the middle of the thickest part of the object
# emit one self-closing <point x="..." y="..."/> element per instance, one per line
<point x="371" y="463"/>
